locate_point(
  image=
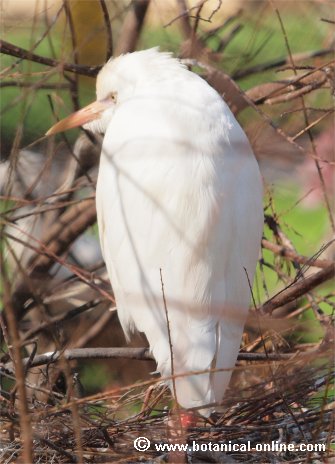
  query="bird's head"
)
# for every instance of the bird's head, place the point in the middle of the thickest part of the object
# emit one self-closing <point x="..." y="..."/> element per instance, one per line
<point x="120" y="78"/>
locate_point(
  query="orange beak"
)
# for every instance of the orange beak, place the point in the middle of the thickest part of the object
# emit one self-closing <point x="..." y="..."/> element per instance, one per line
<point x="81" y="117"/>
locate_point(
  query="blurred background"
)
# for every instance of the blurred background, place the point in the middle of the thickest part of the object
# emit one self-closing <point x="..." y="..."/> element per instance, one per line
<point x="274" y="64"/>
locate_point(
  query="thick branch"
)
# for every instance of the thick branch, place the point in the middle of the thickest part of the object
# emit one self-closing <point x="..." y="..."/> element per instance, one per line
<point x="142" y="354"/>
<point x="185" y="19"/>
<point x="70" y="225"/>
<point x="298" y="289"/>
<point x="85" y="353"/>
<point x="132" y="27"/>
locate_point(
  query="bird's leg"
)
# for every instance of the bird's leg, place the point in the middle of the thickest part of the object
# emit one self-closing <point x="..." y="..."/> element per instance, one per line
<point x="179" y="422"/>
<point x="183" y="419"/>
<point x="147" y="406"/>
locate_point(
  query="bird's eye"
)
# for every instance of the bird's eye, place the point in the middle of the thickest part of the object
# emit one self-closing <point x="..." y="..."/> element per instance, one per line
<point x="112" y="96"/>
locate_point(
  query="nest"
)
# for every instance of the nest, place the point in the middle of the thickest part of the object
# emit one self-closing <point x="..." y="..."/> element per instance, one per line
<point x="278" y="403"/>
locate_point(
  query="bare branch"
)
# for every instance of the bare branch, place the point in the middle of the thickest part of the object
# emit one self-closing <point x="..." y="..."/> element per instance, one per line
<point x="96" y="328"/>
<point x="72" y="223"/>
<point x="228" y="38"/>
<point x="74" y="82"/>
<point x="13" y="50"/>
<point x="313" y="124"/>
<point x="18" y="365"/>
<point x="108" y="29"/>
<point x="326" y="20"/>
<point x="36" y="86"/>
<point x="281" y="62"/>
<point x="141" y="354"/>
<point x="184" y="16"/>
<point x="61" y="318"/>
<point x="292" y="60"/>
<point x="72" y="457"/>
<point x="277" y="92"/>
<point x="292" y="256"/>
<point x="132" y="27"/>
<point x="298" y="289"/>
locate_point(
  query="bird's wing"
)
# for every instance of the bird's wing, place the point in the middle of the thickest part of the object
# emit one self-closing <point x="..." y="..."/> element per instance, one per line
<point x="169" y="226"/>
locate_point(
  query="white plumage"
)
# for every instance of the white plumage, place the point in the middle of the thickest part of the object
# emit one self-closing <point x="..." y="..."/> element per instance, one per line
<point x="179" y="193"/>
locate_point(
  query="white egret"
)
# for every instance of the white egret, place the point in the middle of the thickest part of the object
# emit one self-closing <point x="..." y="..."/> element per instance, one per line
<point x="179" y="199"/>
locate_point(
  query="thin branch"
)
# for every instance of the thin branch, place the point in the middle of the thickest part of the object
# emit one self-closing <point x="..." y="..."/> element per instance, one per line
<point x="25" y="422"/>
<point x="280" y="62"/>
<point x="292" y="95"/>
<point x="228" y="38"/>
<point x="214" y="31"/>
<point x="70" y="314"/>
<point x="171" y="348"/>
<point x="24" y="292"/>
<point x="96" y="328"/>
<point x="292" y="60"/>
<point x="74" y="82"/>
<point x="35" y="85"/>
<point x="45" y="34"/>
<point x="72" y="223"/>
<point x="215" y="10"/>
<point x="13" y="50"/>
<point x="292" y="256"/>
<point x="184" y="16"/>
<point x="289" y="96"/>
<point x="326" y="20"/>
<point x="236" y="98"/>
<point x="73" y="458"/>
<point x="44" y="209"/>
<point x="197" y="17"/>
<point x="313" y="123"/>
<point x="279" y="91"/>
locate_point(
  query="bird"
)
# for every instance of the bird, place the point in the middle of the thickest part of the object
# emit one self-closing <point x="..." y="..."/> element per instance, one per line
<point x="180" y="217"/>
